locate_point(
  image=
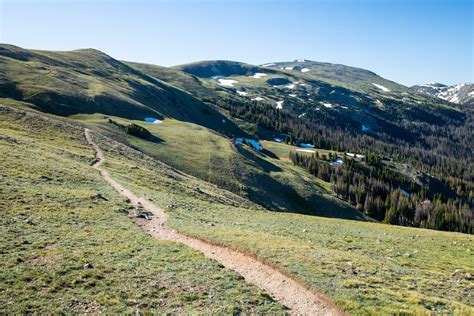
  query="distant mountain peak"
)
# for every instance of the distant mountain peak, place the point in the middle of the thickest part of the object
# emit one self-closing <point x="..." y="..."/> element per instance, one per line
<point x="460" y="93"/>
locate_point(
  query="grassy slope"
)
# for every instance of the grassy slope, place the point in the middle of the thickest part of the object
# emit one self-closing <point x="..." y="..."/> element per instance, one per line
<point x="50" y="228"/>
<point x="367" y="268"/>
<point x="282" y="150"/>
<point x="210" y="68"/>
<point x="198" y="151"/>
<point x="174" y="77"/>
<point x="351" y="77"/>
<point x="89" y="81"/>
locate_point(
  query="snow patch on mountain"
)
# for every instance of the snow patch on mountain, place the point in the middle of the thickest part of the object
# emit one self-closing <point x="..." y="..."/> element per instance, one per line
<point x="460" y="93"/>
<point x="259" y="75"/>
<point x="227" y="82"/>
<point x="384" y="89"/>
<point x="279" y="105"/>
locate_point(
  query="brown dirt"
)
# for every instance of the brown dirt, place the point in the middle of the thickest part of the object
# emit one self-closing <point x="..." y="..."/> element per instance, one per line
<point x="281" y="286"/>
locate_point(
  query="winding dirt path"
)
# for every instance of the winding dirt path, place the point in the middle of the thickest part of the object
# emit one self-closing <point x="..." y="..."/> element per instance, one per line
<point x="287" y="291"/>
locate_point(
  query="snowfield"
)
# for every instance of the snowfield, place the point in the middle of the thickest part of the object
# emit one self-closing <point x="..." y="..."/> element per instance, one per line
<point x="279" y="105"/>
<point x="381" y="87"/>
<point x="242" y="93"/>
<point x="451" y="94"/>
<point x="288" y="68"/>
<point x="290" y="86"/>
<point x="257" y="99"/>
<point x="305" y="70"/>
<point x="268" y="65"/>
<point x="259" y="75"/>
<point x="292" y="95"/>
<point x="327" y="105"/>
<point x="456" y="93"/>
<point x="306" y="150"/>
<point x="227" y="82"/>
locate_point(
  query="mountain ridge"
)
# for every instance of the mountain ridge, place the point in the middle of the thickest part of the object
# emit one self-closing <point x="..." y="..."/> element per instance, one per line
<point x="462" y="93"/>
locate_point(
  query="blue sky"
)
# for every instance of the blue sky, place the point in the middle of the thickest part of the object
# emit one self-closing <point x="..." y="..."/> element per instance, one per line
<point x="407" y="41"/>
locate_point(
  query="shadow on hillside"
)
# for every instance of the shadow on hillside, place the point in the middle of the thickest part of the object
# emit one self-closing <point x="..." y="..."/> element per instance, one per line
<point x="160" y="104"/>
<point x="270" y="154"/>
<point x="155" y="139"/>
<point x="279" y="196"/>
<point x="266" y="166"/>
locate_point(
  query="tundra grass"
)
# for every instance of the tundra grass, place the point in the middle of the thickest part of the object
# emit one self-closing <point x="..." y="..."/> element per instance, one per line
<point x="282" y="150"/>
<point x="63" y="252"/>
<point x="367" y="268"/>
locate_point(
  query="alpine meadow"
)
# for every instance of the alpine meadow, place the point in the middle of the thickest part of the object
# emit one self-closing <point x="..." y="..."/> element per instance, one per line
<point x="222" y="187"/>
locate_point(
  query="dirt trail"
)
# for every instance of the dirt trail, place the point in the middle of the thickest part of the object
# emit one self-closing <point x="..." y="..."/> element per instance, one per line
<point x="282" y="288"/>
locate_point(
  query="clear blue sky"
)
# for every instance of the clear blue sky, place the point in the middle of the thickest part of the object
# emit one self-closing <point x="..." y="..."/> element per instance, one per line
<point x="408" y="41"/>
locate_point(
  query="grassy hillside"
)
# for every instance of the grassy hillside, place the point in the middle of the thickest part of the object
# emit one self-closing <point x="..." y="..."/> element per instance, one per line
<point x="52" y="228"/>
<point x="89" y="81"/>
<point x="174" y="77"/>
<point x="222" y="68"/>
<point x="264" y="179"/>
<point x="366" y="268"/>
<point x="352" y="77"/>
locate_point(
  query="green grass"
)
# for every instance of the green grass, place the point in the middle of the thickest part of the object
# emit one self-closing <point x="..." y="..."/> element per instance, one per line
<point x="282" y="150"/>
<point x="51" y="228"/>
<point x="366" y="267"/>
